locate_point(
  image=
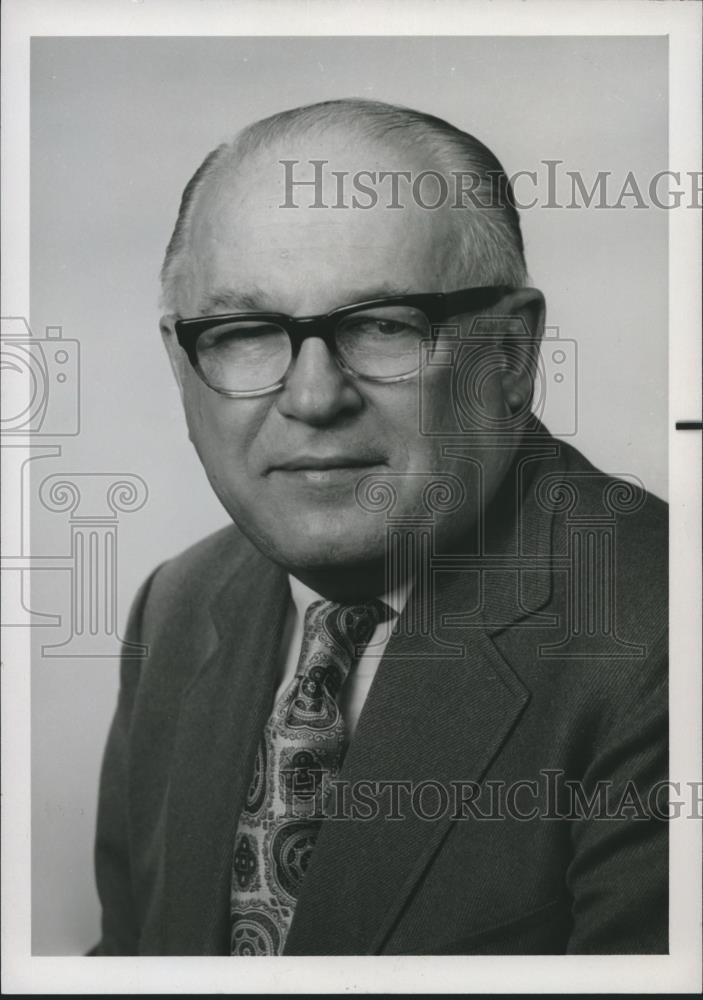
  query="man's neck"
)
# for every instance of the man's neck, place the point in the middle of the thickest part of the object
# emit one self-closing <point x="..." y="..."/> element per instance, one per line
<point x="303" y="595"/>
<point x="349" y="585"/>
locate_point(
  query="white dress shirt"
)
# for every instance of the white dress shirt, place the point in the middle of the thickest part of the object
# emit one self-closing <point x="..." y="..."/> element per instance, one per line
<point x="356" y="687"/>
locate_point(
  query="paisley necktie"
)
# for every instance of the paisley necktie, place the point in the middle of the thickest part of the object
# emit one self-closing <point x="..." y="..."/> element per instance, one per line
<point x="300" y="752"/>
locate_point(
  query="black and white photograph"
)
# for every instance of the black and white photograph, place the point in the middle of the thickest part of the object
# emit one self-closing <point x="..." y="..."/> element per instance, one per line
<point x="351" y="542"/>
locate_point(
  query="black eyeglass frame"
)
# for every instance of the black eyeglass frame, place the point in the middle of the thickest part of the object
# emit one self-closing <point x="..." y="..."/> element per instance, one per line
<point x="437" y="306"/>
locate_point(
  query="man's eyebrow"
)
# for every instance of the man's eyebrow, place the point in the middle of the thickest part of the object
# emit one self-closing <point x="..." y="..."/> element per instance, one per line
<point x="253" y="301"/>
<point x="368" y="294"/>
<point x="234" y="301"/>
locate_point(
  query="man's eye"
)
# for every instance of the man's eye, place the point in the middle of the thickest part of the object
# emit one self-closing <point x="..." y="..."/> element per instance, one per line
<point x="381" y="327"/>
<point x="239" y="335"/>
<point x="389" y="326"/>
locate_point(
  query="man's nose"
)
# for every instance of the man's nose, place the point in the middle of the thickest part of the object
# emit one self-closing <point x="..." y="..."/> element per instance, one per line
<point x="316" y="390"/>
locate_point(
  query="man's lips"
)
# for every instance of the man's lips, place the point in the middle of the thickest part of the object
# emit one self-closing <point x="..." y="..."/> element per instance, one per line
<point x="321" y="463"/>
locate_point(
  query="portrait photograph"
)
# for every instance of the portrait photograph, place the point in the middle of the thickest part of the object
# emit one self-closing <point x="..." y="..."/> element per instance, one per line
<point x="351" y="508"/>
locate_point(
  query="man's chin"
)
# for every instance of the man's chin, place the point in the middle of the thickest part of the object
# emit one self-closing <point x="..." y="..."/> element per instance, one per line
<point x="328" y="555"/>
<point x="311" y="545"/>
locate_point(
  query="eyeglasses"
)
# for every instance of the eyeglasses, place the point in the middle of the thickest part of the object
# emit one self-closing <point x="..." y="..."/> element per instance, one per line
<point x="249" y="354"/>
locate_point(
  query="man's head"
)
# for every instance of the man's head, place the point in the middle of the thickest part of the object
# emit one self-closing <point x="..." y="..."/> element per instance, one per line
<point x="286" y="464"/>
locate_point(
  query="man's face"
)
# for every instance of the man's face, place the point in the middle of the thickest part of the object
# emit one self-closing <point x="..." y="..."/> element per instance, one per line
<point x="285" y="465"/>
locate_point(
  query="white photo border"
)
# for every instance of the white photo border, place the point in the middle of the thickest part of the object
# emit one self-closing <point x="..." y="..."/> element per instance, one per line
<point x="680" y="971"/>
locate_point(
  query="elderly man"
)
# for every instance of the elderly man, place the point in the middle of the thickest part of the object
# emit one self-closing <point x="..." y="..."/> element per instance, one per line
<point x="413" y="699"/>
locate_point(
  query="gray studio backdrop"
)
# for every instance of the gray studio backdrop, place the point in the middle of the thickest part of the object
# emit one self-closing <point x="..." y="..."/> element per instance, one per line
<point x="117" y="127"/>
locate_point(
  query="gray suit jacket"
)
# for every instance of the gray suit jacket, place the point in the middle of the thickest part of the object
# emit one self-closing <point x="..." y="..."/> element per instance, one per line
<point x="554" y="677"/>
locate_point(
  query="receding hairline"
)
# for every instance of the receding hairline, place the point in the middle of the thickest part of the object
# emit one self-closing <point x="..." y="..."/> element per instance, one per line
<point x="392" y="126"/>
<point x="271" y="134"/>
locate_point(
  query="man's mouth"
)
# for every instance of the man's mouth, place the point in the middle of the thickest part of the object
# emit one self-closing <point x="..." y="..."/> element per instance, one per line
<point x="301" y="463"/>
<point x="322" y="469"/>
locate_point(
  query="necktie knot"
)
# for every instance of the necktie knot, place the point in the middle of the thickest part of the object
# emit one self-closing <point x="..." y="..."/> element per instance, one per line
<point x="334" y="637"/>
<point x="340" y="630"/>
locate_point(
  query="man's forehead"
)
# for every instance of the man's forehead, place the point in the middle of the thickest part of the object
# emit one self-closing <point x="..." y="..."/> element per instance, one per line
<point x="253" y="210"/>
<point x="244" y="237"/>
<point x="295" y="168"/>
<point x="333" y="262"/>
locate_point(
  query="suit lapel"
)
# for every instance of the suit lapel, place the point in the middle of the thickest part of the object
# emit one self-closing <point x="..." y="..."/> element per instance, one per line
<point x="223" y="712"/>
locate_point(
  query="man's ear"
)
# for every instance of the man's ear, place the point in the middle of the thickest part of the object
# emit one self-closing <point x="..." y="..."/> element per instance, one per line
<point x="176" y="355"/>
<point x="521" y="344"/>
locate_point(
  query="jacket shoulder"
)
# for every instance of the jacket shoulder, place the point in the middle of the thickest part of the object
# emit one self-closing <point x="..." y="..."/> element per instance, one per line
<point x="610" y="537"/>
<point x="639" y="518"/>
<point x="183" y="587"/>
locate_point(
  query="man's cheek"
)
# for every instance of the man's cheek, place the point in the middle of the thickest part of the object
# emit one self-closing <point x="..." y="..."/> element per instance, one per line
<point x="198" y="419"/>
<point x="435" y="410"/>
<point x="213" y="446"/>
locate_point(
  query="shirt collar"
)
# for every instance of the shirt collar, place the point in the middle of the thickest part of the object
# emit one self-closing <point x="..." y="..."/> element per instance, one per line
<point x="303" y="596"/>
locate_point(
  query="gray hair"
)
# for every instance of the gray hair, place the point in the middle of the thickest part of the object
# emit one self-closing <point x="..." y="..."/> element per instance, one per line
<point x="490" y="240"/>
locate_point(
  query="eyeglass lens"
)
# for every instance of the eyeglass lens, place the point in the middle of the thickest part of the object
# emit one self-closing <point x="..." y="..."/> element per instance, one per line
<point x="248" y="355"/>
